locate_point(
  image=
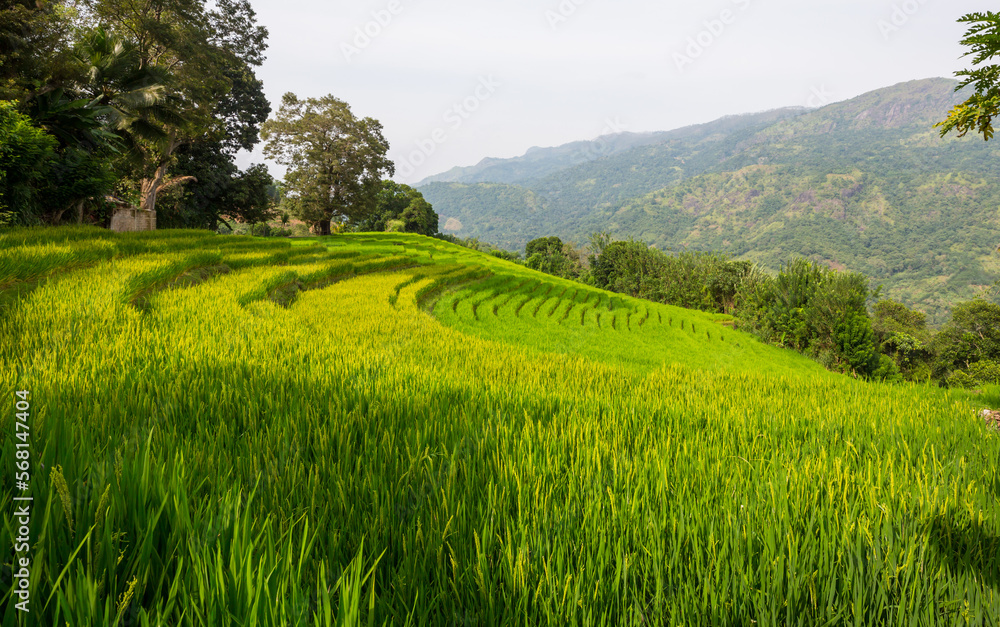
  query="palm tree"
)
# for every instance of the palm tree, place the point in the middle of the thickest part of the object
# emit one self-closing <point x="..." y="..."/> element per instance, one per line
<point x="116" y="78"/>
<point x="142" y="111"/>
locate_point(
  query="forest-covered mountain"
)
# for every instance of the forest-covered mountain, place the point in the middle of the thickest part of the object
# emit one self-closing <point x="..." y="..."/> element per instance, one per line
<point x="538" y="163"/>
<point x="865" y="184"/>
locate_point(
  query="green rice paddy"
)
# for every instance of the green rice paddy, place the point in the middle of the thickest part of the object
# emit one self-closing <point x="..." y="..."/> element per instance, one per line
<point x="383" y="429"/>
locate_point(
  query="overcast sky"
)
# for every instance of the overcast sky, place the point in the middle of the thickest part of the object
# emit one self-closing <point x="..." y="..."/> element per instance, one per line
<point x="454" y="81"/>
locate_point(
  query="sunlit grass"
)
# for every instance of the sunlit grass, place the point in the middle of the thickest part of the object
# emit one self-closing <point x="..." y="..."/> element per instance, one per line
<point x="414" y="433"/>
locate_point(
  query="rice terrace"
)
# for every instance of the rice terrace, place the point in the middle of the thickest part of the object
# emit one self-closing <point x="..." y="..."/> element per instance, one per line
<point x="391" y="429"/>
<point x="499" y="314"/>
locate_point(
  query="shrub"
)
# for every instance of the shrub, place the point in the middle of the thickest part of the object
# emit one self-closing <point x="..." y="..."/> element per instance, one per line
<point x="961" y="380"/>
<point x="985" y="372"/>
<point x="856" y="345"/>
<point x="262" y="229"/>
<point x="887" y="370"/>
<point x="27" y="154"/>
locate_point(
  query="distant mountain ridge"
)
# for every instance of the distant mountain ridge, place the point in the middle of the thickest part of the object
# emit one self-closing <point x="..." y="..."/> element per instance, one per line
<point x="865" y="184"/>
<point x="538" y="163"/>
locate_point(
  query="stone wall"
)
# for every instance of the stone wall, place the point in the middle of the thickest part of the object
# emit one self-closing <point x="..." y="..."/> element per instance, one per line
<point x="133" y="220"/>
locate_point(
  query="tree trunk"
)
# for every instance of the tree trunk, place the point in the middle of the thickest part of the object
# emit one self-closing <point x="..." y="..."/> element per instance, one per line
<point x="150" y="187"/>
<point x="79" y="212"/>
<point x="321" y="227"/>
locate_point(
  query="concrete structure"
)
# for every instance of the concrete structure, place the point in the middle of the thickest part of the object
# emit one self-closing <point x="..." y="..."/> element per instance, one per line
<point x="132" y="219"/>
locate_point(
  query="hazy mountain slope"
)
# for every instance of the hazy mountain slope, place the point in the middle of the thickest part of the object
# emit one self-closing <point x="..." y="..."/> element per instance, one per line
<point x="865" y="184"/>
<point x="538" y="163"/>
<point x="569" y="196"/>
<point x="514" y="215"/>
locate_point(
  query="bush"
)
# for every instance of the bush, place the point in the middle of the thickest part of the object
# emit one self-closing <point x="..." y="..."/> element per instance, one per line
<point x="887" y="370"/>
<point x="505" y="254"/>
<point x="960" y="380"/>
<point x="920" y="373"/>
<point x="985" y="372"/>
<point x="27" y="154"/>
<point x="702" y="281"/>
<point x="972" y="336"/>
<point x="400" y="209"/>
<point x="856" y="345"/>
<point x="474" y="244"/>
<point x="261" y="229"/>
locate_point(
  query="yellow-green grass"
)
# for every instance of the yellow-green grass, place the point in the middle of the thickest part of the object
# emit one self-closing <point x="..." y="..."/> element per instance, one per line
<point x="377" y="446"/>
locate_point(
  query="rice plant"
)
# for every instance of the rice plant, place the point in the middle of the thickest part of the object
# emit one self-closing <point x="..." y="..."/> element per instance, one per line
<point x="382" y="449"/>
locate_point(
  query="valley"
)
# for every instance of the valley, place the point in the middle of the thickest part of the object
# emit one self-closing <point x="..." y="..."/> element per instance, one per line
<point x="864" y="185"/>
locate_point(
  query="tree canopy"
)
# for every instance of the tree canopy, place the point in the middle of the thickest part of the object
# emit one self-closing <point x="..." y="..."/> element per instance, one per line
<point x="143" y="97"/>
<point x="400" y="207"/>
<point x="978" y="111"/>
<point x="207" y="57"/>
<point x="336" y="161"/>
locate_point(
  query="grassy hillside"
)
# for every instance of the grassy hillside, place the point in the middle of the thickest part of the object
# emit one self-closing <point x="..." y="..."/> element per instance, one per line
<point x="866" y="185"/>
<point x="388" y="429"/>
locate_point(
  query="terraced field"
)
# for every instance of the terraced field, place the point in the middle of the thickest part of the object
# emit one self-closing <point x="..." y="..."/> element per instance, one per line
<point x="388" y="429"/>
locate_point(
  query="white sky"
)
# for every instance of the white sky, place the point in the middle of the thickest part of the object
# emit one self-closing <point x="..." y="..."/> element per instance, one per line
<point x="547" y="72"/>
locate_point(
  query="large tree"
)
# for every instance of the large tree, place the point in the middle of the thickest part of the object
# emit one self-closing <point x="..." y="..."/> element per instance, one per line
<point x="209" y="161"/>
<point x="979" y="110"/>
<point x="336" y="161"/>
<point x="211" y="93"/>
<point x="973" y="335"/>
<point x="34" y="54"/>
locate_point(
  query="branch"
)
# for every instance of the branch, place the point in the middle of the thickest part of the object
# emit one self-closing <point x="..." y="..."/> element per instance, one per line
<point x="180" y="180"/>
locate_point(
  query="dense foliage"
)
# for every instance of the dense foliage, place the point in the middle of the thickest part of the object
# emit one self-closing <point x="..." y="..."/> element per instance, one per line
<point x="820" y="312"/>
<point x="807" y="307"/>
<point x="27" y="154"/>
<point x="144" y="100"/>
<point x="553" y="256"/>
<point x="702" y="281"/>
<point x="972" y="336"/>
<point x="400" y="208"/>
<point x="902" y="334"/>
